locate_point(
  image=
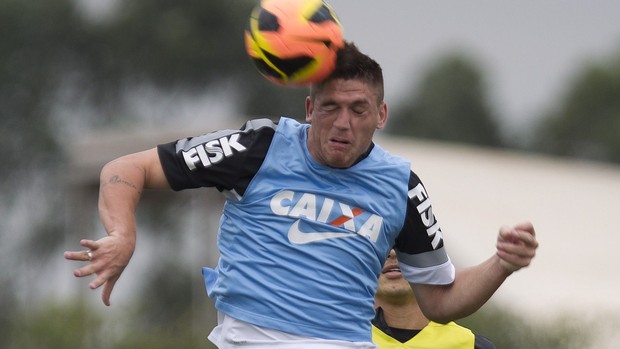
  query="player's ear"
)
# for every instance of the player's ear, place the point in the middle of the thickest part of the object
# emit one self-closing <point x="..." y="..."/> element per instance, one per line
<point x="309" y="109"/>
<point x="383" y="115"/>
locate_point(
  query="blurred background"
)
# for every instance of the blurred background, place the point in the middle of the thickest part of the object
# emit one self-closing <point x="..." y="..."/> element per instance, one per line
<point x="508" y="111"/>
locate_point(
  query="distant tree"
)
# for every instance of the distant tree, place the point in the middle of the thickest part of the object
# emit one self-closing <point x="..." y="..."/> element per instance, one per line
<point x="36" y="37"/>
<point x="50" y="55"/>
<point x="195" y="45"/>
<point x="271" y="100"/>
<point x="48" y="50"/>
<point x="450" y="104"/>
<point x="35" y="40"/>
<point x="508" y="330"/>
<point x="55" y="326"/>
<point x="586" y="122"/>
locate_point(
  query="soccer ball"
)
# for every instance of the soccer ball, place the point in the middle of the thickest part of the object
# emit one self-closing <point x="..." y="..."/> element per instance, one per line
<point x="294" y="42"/>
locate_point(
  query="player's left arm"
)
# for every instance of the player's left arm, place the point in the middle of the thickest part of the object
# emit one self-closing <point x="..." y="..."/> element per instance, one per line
<point x="474" y="286"/>
<point x="446" y="293"/>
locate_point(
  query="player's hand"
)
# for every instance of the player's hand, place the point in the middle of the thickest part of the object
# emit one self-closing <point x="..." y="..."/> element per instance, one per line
<point x="107" y="258"/>
<point x="516" y="246"/>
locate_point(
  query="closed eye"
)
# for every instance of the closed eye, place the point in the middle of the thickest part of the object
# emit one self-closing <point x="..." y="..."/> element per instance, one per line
<point x="360" y="107"/>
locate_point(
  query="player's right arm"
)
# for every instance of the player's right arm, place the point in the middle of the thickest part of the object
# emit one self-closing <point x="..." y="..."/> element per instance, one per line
<point x="186" y="163"/>
<point x="121" y="184"/>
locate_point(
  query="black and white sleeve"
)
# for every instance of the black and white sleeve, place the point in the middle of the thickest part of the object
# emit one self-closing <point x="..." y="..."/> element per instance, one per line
<point x="225" y="159"/>
<point x="420" y="247"/>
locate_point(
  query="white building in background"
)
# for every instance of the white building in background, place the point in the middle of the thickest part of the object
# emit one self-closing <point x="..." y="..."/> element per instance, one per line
<point x="574" y="205"/>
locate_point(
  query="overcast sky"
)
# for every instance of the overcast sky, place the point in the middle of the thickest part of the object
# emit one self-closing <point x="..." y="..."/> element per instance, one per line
<point x="529" y="49"/>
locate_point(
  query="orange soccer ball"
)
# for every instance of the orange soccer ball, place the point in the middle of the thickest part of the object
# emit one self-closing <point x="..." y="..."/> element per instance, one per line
<point x="294" y="42"/>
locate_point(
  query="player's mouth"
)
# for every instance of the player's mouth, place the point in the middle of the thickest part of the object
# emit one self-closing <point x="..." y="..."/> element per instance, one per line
<point x="339" y="143"/>
<point x="392" y="272"/>
<point x="339" y="140"/>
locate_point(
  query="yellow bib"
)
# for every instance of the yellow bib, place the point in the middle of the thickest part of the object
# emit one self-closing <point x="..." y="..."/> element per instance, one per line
<point x="433" y="336"/>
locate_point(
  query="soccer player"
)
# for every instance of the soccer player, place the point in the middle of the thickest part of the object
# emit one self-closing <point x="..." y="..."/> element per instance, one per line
<point x="312" y="212"/>
<point x="399" y="322"/>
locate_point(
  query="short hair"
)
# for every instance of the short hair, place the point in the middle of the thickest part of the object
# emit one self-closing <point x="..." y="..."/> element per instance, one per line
<point x="352" y="64"/>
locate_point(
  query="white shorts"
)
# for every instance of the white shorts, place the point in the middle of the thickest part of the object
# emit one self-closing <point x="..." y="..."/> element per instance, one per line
<point x="231" y="333"/>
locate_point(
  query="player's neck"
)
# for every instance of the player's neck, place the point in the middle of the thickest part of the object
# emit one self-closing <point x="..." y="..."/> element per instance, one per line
<point x="404" y="316"/>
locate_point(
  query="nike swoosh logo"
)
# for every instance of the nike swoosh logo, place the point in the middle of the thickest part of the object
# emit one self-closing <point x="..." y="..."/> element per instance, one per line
<point x="298" y="237"/>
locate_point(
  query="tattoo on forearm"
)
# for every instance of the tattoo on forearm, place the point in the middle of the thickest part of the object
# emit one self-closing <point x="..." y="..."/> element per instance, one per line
<point x="117" y="180"/>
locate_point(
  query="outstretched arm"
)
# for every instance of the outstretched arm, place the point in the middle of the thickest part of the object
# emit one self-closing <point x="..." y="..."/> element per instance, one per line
<point x="121" y="184"/>
<point x="472" y="287"/>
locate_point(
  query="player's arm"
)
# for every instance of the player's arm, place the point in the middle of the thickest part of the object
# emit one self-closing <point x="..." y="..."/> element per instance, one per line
<point x="446" y="293"/>
<point x="121" y="184"/>
<point x="473" y="286"/>
<point x="176" y="165"/>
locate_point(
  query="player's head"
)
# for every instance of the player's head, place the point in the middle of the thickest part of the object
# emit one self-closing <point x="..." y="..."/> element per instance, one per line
<point x="352" y="64"/>
<point x="345" y="110"/>
<point x="393" y="287"/>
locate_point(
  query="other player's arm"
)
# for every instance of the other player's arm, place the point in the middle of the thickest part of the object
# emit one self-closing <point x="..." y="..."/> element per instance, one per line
<point x="121" y="184"/>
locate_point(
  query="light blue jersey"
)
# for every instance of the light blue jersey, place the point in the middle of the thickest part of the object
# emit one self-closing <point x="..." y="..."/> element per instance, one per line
<point x="302" y="244"/>
<point x="303" y="234"/>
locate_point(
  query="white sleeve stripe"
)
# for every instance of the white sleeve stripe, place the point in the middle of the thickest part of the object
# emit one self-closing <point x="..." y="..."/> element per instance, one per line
<point x="424" y="259"/>
<point x="442" y="274"/>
